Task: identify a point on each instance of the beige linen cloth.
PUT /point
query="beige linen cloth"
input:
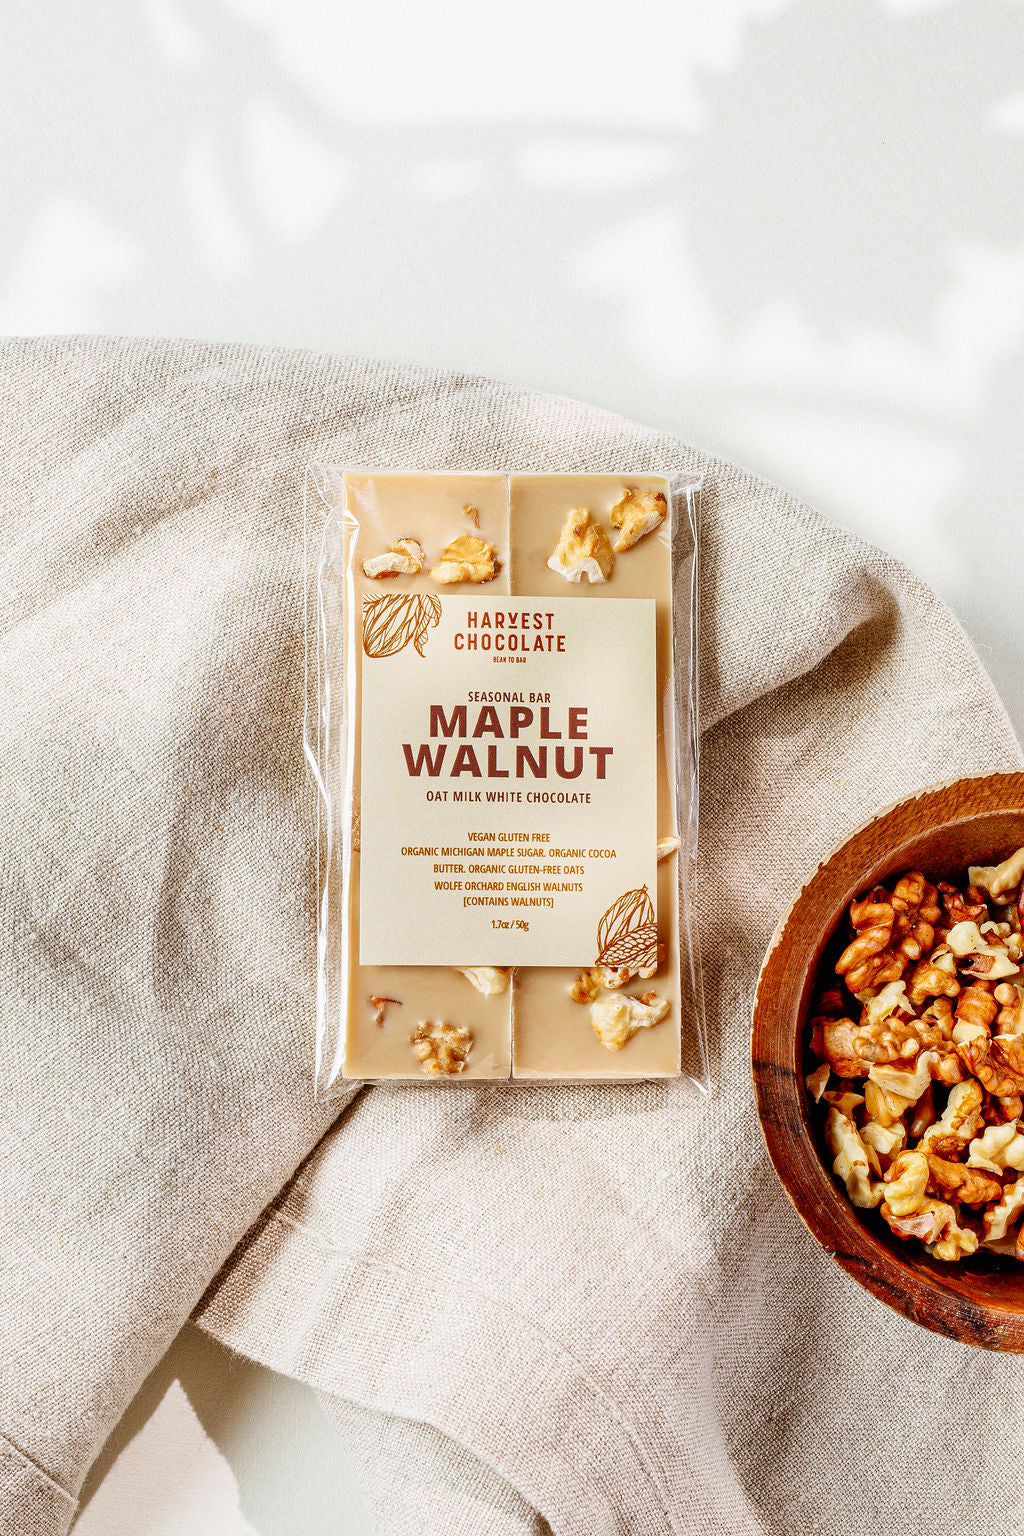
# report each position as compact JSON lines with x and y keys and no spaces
{"x":589,"y":1310}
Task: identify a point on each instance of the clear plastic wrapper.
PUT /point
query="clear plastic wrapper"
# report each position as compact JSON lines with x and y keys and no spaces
{"x":502,"y":723}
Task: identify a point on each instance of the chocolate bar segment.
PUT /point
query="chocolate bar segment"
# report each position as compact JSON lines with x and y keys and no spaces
{"x":438,"y":1024}
{"x":554,"y":1035}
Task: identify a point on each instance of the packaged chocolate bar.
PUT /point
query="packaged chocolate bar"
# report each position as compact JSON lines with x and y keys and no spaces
{"x":502,"y":725}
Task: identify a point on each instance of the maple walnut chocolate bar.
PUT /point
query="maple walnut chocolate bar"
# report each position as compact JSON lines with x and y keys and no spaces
{"x":504,"y":887}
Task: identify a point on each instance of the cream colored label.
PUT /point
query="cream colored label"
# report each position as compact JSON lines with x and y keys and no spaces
{"x":509,"y":779}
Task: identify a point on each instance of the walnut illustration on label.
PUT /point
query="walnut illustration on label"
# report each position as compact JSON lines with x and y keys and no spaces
{"x":627,"y":935}
{"x":392,"y":621}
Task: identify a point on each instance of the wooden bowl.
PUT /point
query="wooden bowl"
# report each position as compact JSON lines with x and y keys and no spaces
{"x":940,"y":831}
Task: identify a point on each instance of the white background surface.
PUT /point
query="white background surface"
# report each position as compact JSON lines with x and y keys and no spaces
{"x":792,"y":233}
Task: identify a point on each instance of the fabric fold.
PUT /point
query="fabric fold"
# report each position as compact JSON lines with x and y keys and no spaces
{"x":430,"y":1478}
{"x":445,"y":1348}
{"x":32,"y":1503}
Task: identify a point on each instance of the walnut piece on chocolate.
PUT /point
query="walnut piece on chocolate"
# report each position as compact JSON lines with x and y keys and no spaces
{"x":934,"y":1034}
{"x":599,"y":978}
{"x":405,"y":557}
{"x":616,"y":1019}
{"x":442,"y":1049}
{"x":583,"y":549}
{"x":636,"y":514}
{"x":488,"y":979}
{"x":466,"y":558}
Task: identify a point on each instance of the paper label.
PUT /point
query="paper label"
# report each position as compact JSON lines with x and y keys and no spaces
{"x":508,"y":768}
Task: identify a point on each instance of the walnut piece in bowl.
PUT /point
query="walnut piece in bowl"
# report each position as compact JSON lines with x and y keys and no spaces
{"x":888,"y":1051}
{"x":923,"y":1010}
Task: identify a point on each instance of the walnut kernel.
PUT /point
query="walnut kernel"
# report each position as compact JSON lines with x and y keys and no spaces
{"x":442,"y":1049}
{"x":405,"y":557}
{"x":583,"y":549}
{"x":466,"y":558}
{"x":636,"y":514}
{"x":615,"y":1020}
